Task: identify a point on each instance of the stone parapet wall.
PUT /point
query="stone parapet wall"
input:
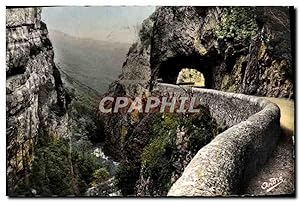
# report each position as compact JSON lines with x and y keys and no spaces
{"x":228,"y":161}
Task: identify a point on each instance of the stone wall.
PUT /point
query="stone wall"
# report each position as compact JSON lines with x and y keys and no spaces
{"x":222,"y":166}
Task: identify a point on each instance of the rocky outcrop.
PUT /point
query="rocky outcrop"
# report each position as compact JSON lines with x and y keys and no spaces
{"x":136,"y":72}
{"x":171,"y":149}
{"x":238,"y":49}
{"x":269,"y":70}
{"x":35,"y":98}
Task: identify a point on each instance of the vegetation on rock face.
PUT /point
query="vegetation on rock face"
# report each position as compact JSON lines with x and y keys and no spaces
{"x":65,"y":165}
{"x":173,"y":140}
{"x":231,"y":81}
{"x":60,"y":168}
{"x":126,"y":177}
{"x":99,"y":176}
{"x":145,"y":34}
{"x":85,"y":121}
{"x":174,"y":135}
{"x":155,"y":155}
{"x":83,"y":110}
{"x":237,"y":23}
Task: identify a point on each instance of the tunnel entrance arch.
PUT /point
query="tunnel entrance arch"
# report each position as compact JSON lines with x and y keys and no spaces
{"x":169,"y":70}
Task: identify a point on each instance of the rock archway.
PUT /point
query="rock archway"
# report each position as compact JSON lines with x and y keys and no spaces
{"x":169,"y":70}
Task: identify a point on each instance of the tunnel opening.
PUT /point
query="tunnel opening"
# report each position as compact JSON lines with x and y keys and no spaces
{"x":190,"y":77}
{"x":197,"y":70}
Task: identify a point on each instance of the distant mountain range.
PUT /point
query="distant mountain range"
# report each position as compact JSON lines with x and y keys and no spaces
{"x":94,"y":63}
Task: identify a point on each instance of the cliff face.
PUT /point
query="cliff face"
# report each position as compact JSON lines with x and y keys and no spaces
{"x":35,"y":98}
{"x":240,"y":49}
{"x":237,"y":49}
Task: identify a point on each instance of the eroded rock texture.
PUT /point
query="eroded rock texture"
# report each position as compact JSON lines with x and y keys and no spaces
{"x":238,"y":49}
{"x":35,"y":97}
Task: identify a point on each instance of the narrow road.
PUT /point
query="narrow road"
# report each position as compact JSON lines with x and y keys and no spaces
{"x":277,"y":177}
{"x":287,"y":114}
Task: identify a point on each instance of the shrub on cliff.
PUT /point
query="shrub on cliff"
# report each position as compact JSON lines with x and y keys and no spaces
{"x":237,"y":23}
{"x":126,"y":177}
{"x":173,"y":140}
{"x":99,"y":176}
{"x":60,"y":169}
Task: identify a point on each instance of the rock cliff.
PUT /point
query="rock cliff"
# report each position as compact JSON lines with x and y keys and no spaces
{"x":242,"y":50}
{"x":238,"y":49}
{"x":36,"y":101}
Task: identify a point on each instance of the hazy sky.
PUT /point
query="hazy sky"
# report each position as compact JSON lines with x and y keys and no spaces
{"x":103,"y":23}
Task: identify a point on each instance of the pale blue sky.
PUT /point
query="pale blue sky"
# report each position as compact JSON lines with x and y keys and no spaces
{"x":114,"y":23}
